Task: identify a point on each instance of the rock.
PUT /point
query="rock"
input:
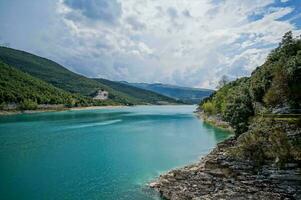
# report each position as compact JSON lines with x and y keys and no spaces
{"x":153,"y":184}
{"x":218,"y":176}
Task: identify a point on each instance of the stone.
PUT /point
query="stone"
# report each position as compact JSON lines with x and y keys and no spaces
{"x":218,"y":176}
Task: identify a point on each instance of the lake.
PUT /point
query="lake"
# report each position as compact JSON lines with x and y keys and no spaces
{"x":108,"y":154}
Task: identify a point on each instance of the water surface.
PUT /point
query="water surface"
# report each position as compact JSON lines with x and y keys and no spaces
{"x":98,"y":154}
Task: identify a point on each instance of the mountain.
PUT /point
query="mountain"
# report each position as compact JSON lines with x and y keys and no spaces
{"x":136,"y":92}
{"x":60,"y":77}
{"x":146,"y":95}
{"x":185,"y":94}
{"x":27,"y":92}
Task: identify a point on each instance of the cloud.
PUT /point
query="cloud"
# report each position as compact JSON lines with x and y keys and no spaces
{"x":135,"y":23}
{"x":172,"y":12}
{"x":191,"y":43}
{"x":105,"y":10}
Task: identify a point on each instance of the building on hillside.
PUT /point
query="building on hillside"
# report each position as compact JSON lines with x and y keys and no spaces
{"x":101,"y":95}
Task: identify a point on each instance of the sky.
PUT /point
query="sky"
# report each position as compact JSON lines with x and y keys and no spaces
{"x":183,"y":42}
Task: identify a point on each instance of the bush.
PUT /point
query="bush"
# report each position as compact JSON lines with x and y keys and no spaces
{"x":239,"y":109}
{"x":3,"y":106}
{"x":251,"y":147}
{"x":28,"y":104}
{"x":280,"y":149}
{"x":70,"y":103}
{"x":278,"y":92}
{"x":209,"y":108}
{"x":266,"y":142}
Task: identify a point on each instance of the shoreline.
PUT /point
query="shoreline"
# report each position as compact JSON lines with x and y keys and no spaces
{"x":17,"y":112}
{"x":215,"y":122}
{"x":96,"y":107}
{"x":218,"y":176}
{"x":60,"y":109}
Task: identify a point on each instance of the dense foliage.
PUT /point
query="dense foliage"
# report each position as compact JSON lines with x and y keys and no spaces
{"x":263,"y":108}
{"x":28,"y":92}
{"x":60,"y":77}
{"x":274,"y":85}
{"x":267,"y":141}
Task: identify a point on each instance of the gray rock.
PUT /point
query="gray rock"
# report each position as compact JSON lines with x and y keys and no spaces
{"x":217,"y":176}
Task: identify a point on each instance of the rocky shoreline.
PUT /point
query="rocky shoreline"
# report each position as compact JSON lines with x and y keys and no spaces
{"x":219,"y":176}
{"x":215,"y":121}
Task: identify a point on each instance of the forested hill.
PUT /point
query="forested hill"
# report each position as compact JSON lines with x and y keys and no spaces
{"x":264,"y":109}
{"x":28,"y":92}
{"x":145,"y":95}
{"x":185,"y":94}
{"x":60,"y":77}
{"x":48,"y":71}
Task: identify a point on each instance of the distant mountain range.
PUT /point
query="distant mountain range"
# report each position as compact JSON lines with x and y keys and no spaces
{"x":136,"y":92}
{"x":185,"y":94}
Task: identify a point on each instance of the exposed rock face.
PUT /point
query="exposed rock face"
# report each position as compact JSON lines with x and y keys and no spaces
{"x":101,"y":95}
{"x":218,"y":176}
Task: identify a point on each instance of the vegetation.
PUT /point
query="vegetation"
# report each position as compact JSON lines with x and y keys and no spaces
{"x":209,"y":108}
{"x":137,"y":94}
{"x":264,"y":109}
{"x":60,"y":77}
{"x":223,"y":81}
{"x":274,"y":85}
{"x":27,"y":92}
{"x":267,"y":141}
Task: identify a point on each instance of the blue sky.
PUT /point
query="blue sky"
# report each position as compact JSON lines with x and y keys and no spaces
{"x":184,"y":42}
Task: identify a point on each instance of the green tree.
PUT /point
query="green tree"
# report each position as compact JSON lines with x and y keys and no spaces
{"x":28,"y":104}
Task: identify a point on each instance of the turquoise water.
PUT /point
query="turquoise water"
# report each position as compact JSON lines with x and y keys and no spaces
{"x":98,"y":154}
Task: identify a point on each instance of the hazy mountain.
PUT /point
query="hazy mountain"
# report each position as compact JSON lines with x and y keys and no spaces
{"x":185,"y":94}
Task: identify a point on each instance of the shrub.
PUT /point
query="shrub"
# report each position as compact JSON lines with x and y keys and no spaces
{"x":251,"y":147}
{"x":278,"y":92}
{"x":28,"y":104}
{"x":3,"y":106}
{"x":209,"y":108}
{"x":239,"y":109}
{"x":266,"y":143}
{"x":280,"y":149}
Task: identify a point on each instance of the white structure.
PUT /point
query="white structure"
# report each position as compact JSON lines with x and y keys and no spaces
{"x":101,"y":95}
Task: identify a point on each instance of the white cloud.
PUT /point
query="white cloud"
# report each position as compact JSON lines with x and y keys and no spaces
{"x":183,"y":42}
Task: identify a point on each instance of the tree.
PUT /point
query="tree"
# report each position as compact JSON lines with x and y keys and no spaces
{"x":223,"y":81}
{"x":287,"y":39}
{"x":239,"y":109}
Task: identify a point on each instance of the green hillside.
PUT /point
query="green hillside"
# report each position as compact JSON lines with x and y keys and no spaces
{"x":273,"y":87}
{"x":264,"y":109}
{"x":17,"y":87}
{"x":138,"y":93}
{"x":48,"y":71}
{"x":65,"y":79}
{"x":185,"y":94}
